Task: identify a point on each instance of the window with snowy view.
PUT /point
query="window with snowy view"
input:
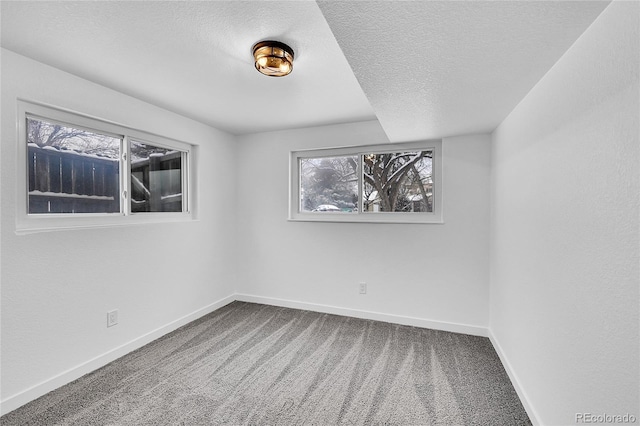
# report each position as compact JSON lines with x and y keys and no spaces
{"x":72,"y":170}
{"x":376,"y":183}
{"x":156,"y":178}
{"x":329,"y":184}
{"x":398,"y":182}
{"x":83,"y":172}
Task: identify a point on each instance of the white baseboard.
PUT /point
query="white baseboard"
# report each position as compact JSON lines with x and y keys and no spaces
{"x":531,"y":412}
{"x":377,"y":316}
{"x":11,"y":403}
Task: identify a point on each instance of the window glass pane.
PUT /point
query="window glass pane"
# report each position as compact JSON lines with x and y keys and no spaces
{"x":329,"y":184}
{"x":71,"y":170}
{"x":156,"y":178}
{"x":398,"y":182}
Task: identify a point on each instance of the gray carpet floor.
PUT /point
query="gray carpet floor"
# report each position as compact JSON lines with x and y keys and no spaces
{"x":250,"y":364}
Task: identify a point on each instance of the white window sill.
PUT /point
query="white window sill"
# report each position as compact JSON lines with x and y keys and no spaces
{"x":32,"y":224}
{"x":406,"y":218}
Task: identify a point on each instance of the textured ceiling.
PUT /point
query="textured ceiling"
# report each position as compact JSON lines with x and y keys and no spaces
{"x":194,"y":57}
{"x":428,"y":68}
{"x":438,"y":68}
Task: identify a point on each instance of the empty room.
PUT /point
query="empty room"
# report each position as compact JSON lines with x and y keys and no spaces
{"x":320,"y":212}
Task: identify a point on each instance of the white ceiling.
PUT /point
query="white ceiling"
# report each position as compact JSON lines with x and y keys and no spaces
{"x":194,"y":57}
{"x":429,"y":69}
{"x":440,"y":68}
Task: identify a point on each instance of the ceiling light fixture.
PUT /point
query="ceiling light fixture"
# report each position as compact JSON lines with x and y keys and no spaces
{"x":273,"y":58}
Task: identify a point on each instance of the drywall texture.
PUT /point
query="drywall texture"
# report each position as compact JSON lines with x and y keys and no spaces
{"x":58,"y":286}
{"x":565,"y":241}
{"x":434,"y":272}
{"x":195,"y":57}
{"x":433,"y":68}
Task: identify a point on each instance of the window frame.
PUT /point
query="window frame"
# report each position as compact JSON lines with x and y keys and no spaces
{"x":41,"y":222}
{"x":434,"y":217}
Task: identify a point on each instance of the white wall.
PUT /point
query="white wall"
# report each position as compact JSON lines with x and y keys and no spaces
{"x":58,"y":286}
{"x":565,"y":241}
{"x":428,"y":274}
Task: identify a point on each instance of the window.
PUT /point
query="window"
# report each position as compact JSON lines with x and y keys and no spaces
{"x":84,"y":172}
{"x":156,"y":178}
{"x":398,"y":181}
{"x":383,"y":183}
{"x":329,"y":184}
{"x":72,"y":170}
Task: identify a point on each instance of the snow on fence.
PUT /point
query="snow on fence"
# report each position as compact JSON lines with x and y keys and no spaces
{"x":66,"y":181}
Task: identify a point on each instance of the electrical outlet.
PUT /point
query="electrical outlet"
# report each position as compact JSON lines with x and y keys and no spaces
{"x":112,"y":318}
{"x":363,"y":288}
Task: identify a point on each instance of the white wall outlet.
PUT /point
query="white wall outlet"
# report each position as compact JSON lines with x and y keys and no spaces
{"x":112,"y":318}
{"x":363,"y":288}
